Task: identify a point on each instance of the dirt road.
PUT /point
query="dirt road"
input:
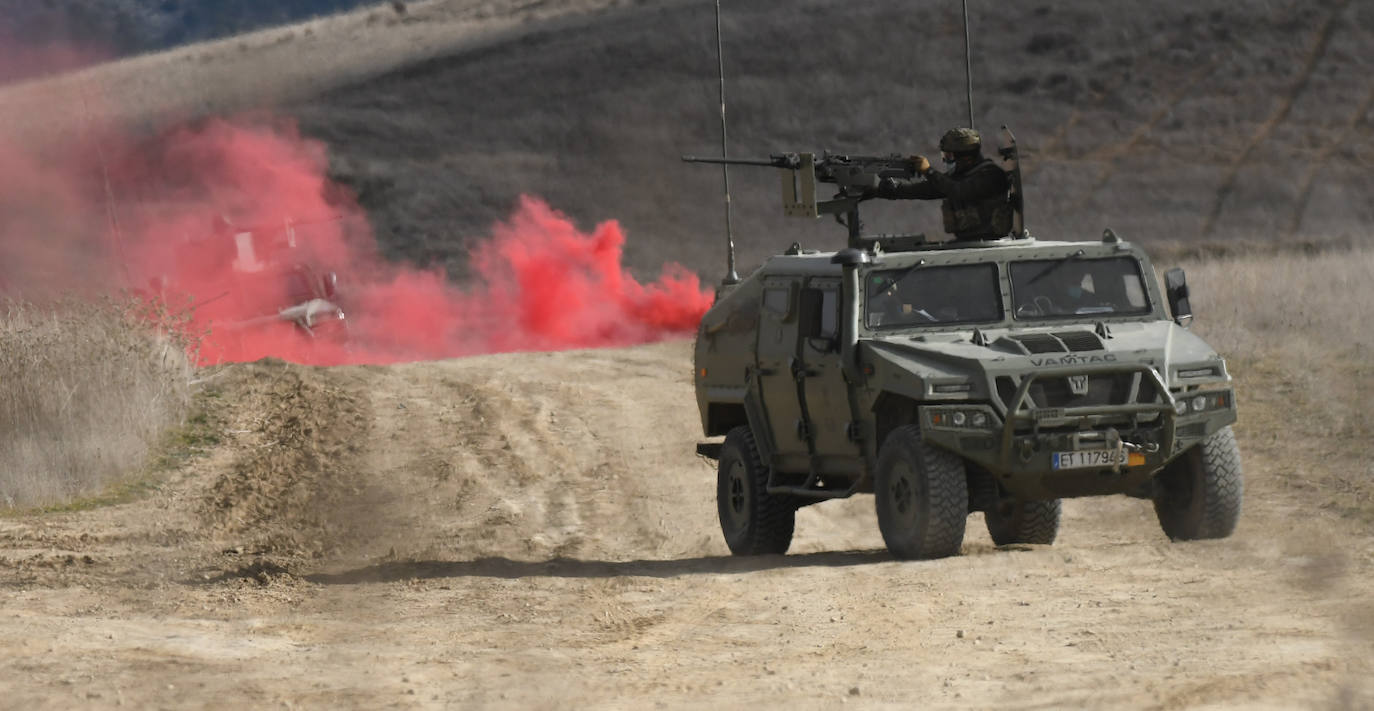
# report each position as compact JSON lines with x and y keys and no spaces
{"x":533,"y":531}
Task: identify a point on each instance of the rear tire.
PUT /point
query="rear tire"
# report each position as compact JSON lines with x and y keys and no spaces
{"x":921,"y":495}
{"x":1023,"y":522}
{"x":754,"y":522}
{"x":1198,"y":495}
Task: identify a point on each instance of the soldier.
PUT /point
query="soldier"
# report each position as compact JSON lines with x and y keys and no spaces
{"x":975,"y":203}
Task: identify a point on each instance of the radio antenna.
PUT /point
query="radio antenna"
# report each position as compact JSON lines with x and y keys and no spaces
{"x":731,"y":276}
{"x":968,"y":65}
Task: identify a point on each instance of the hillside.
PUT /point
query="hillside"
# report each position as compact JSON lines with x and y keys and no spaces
{"x":1214,"y":121}
{"x":1219,"y":121}
{"x":36,"y":34}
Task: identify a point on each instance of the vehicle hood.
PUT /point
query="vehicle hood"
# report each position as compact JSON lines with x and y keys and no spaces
{"x":980,"y":355}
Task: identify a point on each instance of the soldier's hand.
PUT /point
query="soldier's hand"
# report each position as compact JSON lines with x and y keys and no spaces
{"x":922,"y":164}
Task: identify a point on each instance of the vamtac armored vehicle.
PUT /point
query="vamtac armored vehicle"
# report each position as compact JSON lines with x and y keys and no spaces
{"x":998,"y":375}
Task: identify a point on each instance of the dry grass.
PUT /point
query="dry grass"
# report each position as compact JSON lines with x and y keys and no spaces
{"x":1313,"y":306}
{"x":85,"y":391}
{"x":1297,"y":332}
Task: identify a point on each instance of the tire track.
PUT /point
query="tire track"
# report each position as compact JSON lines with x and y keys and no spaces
{"x":1108,"y":155}
{"x":1309,"y":178}
{"x":1075,"y":117}
{"x":1111,"y":152}
{"x":1285,"y":107}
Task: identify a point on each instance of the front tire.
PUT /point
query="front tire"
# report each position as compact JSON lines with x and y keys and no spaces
{"x":754,"y":522}
{"x":1198,"y":495}
{"x":1013,"y":521}
{"x":921,"y":494}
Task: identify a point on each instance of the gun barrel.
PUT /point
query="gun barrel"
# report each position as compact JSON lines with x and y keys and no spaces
{"x":767,"y":163}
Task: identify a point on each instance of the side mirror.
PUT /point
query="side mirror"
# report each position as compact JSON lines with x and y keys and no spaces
{"x":1176,"y":288}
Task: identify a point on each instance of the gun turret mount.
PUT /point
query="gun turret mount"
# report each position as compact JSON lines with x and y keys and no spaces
{"x":856,"y":178}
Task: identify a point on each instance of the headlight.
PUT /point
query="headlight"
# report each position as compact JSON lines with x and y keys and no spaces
{"x":974,"y":419}
{"x":1181,"y":406}
{"x":1199,"y":403}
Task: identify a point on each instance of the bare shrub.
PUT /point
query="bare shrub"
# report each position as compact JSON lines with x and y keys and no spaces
{"x":85,"y":391}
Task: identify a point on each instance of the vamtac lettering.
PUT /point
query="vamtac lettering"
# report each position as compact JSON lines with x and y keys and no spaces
{"x":1073,"y":360}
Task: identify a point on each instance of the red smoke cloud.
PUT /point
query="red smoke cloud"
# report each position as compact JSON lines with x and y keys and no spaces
{"x":237,"y":222}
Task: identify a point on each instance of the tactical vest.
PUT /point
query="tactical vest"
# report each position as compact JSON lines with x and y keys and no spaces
{"x":986,"y":217}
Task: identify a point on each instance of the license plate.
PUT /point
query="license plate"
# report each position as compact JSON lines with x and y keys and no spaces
{"x":1097,"y":459}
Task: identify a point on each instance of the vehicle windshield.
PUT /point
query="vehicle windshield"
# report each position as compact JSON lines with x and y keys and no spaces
{"x":1074,"y":287}
{"x":927,"y":295}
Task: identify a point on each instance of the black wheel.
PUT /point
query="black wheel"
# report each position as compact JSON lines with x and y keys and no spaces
{"x":1198,"y":495}
{"x":921,"y":494}
{"x":1012,"y":521}
{"x":754,"y":522}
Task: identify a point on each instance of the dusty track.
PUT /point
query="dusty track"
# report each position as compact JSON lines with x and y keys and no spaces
{"x":533,"y":531}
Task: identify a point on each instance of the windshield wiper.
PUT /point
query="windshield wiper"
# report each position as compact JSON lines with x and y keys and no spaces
{"x":884,"y":282}
{"x":1056,"y":265}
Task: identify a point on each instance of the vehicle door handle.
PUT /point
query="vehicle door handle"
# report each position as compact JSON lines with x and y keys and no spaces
{"x":801,"y":372}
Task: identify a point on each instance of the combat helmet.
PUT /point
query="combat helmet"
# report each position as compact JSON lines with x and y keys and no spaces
{"x":960,"y":140}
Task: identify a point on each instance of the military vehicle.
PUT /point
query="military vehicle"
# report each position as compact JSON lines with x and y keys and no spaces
{"x":999,"y":375}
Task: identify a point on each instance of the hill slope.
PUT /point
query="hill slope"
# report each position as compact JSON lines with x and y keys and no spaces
{"x":1206,"y":122}
{"x":1210,"y":121}
{"x":117,"y":27}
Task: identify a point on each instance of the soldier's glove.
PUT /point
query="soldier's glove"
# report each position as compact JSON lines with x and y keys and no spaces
{"x":922,"y":164}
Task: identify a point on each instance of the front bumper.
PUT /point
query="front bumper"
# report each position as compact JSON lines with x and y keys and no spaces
{"x":1019,"y":449}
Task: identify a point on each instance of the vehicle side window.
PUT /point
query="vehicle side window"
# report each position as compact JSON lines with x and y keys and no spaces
{"x":777,"y":300}
{"x":830,"y":313}
{"x":820,"y":312}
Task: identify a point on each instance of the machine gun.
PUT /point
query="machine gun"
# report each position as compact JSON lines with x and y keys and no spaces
{"x":856,"y":177}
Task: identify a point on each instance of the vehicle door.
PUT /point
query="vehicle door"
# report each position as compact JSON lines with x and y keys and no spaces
{"x":777,"y":386}
{"x":825,"y":392}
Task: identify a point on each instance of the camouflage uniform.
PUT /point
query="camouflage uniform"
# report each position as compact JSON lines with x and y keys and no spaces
{"x":975,"y":193}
